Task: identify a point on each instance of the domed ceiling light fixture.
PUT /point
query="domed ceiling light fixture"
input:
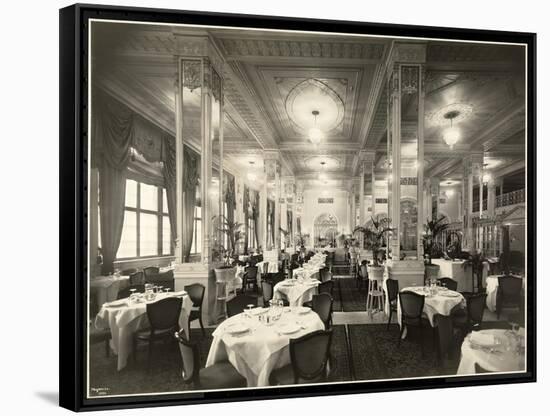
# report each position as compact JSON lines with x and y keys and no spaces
{"x":315,"y":134}
{"x":452,"y":134}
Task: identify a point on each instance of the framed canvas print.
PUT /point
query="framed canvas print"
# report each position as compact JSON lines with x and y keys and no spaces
{"x":261,"y":207}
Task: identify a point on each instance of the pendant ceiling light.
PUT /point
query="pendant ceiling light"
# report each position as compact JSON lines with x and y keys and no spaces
{"x":322,"y":174}
{"x":315,"y":134}
{"x":452,"y":134}
{"x":251,"y":175}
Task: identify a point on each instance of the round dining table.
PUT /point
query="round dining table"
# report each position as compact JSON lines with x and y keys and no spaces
{"x":254,"y":346}
{"x":124,"y":317}
{"x":296,"y":291}
{"x":441,"y":301}
{"x":494,"y":350}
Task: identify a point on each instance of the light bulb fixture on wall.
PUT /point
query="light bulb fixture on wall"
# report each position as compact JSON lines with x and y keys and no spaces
{"x":487,"y":178}
{"x":315,"y":134}
{"x":452,"y":134}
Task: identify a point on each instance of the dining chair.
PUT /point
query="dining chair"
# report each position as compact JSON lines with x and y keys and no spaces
{"x":196,"y":294}
{"x":412,"y":307}
{"x":472,"y":318}
{"x":508,"y":293}
{"x":239,"y":303}
{"x":309,"y":356}
{"x":163,"y":318}
{"x":151,"y":271}
{"x":97,"y":336}
{"x":221,"y":375}
{"x":322,"y":305}
{"x":326,"y":287}
{"x":325,"y":274}
{"x":392,"y":287}
{"x":267,"y":292}
{"x":446,"y":339}
{"x":250,"y":278}
{"x":449,"y":283}
{"x":127,"y":291}
{"x":480,"y":369}
{"x":137,"y":278}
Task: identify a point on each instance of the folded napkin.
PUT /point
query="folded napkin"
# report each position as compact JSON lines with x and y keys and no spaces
{"x":481,"y":339}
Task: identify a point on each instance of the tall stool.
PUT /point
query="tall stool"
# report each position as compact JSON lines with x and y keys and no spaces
{"x":375,"y":295}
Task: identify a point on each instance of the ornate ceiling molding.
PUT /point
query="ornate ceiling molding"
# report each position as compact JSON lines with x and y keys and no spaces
{"x":278,"y":48}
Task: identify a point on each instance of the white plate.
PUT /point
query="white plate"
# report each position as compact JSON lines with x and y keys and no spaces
{"x":236,"y":328}
{"x":289,"y":328}
{"x":302,"y":310}
{"x":450,"y":294}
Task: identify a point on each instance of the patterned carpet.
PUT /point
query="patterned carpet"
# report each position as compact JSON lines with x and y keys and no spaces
{"x":348,"y":297}
{"x":374,"y":355}
{"x":164,"y":375}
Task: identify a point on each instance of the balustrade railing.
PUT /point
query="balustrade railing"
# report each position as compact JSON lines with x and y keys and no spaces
{"x":511,"y":198}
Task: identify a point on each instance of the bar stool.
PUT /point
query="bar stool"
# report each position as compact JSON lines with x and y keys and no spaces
{"x":375,"y":295}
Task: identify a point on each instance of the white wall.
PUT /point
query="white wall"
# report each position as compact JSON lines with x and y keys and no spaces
{"x":312,"y":209}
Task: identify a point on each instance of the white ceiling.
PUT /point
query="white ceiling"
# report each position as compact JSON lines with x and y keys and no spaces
{"x":273,"y":81}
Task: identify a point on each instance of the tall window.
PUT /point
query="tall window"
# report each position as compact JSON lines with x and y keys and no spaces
{"x":196,"y":245}
{"x":146,"y":229}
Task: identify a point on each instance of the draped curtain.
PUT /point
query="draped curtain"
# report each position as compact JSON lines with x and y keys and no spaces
{"x":112,"y":135}
{"x":127,"y":145}
{"x":191,"y":172}
{"x":289,"y":224}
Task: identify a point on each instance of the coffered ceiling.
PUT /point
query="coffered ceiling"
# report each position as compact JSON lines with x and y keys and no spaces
{"x":274,"y":80}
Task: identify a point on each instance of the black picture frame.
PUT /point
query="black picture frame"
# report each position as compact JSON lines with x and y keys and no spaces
{"x":73,"y":200}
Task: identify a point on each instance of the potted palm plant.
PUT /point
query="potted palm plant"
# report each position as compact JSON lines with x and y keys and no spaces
{"x":432,"y":230}
{"x":374,"y":237}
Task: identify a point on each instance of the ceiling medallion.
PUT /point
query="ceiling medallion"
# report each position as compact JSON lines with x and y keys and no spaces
{"x":457,"y":111}
{"x":313,"y":95}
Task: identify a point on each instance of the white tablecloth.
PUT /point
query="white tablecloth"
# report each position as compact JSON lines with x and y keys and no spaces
{"x":126,"y":319}
{"x":272,"y":266}
{"x":296,"y":291}
{"x":505,"y":356}
{"x":262,"y":349}
{"x":491,"y":284}
{"x":457,"y":271}
{"x":106,"y":288}
{"x":435,"y":304}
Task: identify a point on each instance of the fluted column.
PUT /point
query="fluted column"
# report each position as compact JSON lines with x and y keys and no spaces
{"x":491,"y":198}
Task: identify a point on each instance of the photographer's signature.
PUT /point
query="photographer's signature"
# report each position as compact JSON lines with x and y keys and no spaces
{"x":100,"y":391}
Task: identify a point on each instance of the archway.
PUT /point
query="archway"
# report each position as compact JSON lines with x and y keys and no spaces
{"x":325,"y":230}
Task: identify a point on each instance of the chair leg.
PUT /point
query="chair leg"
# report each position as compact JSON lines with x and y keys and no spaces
{"x":401,"y":334}
{"x":202,"y":326}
